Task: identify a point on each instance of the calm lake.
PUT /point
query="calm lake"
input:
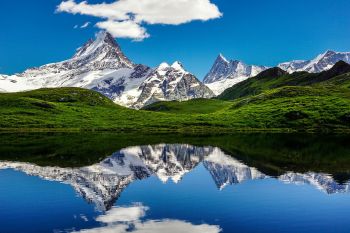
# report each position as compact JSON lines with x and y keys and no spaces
{"x":167,"y":183}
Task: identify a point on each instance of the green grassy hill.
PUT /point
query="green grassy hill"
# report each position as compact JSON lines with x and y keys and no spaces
{"x":196,"y":106}
{"x":272,"y":101}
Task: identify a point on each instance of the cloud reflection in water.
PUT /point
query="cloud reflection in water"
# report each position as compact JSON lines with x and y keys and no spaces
{"x":128,"y":219}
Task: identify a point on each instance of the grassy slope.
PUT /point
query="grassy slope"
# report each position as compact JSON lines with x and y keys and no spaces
{"x":269,"y":102}
{"x":298,"y":107}
{"x":323,"y":106}
{"x":275,"y":78}
{"x":79,"y":109}
{"x":196,"y":106}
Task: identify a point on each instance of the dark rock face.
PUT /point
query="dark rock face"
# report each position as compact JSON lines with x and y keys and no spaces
{"x":345,"y":118}
{"x":339,"y":68}
{"x":272,"y":73}
{"x":296,"y":115}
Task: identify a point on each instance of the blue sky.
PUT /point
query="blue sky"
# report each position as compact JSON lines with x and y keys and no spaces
{"x":257,"y":32}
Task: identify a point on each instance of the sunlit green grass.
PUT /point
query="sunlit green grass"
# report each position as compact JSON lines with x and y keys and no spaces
{"x":195,"y":106}
{"x":282,"y":109}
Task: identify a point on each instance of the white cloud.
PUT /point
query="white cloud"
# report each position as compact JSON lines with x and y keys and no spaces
{"x":85,"y":25}
{"x":103,"y":10}
{"x":124,"y":29}
{"x":136,"y":12}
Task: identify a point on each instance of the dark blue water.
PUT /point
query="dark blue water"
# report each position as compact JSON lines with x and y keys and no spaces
{"x":169,"y":188}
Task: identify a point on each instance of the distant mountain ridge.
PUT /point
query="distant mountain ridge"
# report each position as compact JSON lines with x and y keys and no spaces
{"x":274,"y":78}
{"x":321,"y":63}
{"x":225,"y":74}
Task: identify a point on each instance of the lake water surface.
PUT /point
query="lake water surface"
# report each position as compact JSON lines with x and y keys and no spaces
{"x":167,"y":183}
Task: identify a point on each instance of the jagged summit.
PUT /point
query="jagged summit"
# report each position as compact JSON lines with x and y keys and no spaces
{"x":164,"y":66}
{"x":221,"y":58}
{"x":103,"y":48}
{"x":178,"y":66}
{"x":229,"y":69}
{"x":167,"y":83}
{"x":101,"y":38}
{"x":226,"y":73}
{"x":329,"y":53}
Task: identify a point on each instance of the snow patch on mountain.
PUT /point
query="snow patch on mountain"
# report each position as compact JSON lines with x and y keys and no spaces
{"x":219,"y":87}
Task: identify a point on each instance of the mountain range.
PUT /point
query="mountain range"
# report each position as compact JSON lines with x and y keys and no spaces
{"x":226,"y":73}
{"x":101,"y":65}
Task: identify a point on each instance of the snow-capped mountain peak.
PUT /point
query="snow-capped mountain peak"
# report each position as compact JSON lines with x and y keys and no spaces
{"x":225,"y":73}
{"x":329,"y":52}
{"x":103,"y":48}
{"x":221,"y":58}
{"x":163,"y":66}
{"x":178,"y":66}
{"x":167,"y":83}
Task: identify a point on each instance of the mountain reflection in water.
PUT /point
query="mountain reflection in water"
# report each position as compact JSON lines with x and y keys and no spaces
{"x":102,"y":183}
